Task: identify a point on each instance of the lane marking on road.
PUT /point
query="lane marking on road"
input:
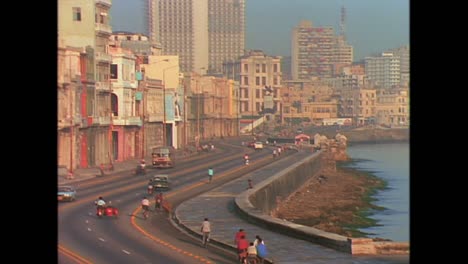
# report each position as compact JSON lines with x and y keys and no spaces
{"x":87,"y":221}
{"x":126,"y":252}
{"x":89,"y":229}
{"x":102,"y":239}
{"x":164,"y":243}
{"x":73,"y":255}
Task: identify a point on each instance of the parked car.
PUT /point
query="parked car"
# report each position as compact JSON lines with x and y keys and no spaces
{"x":66,"y":193}
{"x":258,"y":145}
{"x":160,"y":181}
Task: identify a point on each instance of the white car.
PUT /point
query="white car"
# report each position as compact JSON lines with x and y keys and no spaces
{"x":258,"y":145}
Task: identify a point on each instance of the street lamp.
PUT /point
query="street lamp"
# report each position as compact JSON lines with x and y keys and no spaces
{"x":164,"y":102}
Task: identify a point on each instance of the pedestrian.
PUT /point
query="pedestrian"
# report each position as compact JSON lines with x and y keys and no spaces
{"x":242,"y":246}
{"x":249,"y":181}
{"x":261,"y":251}
{"x":210,"y":174}
{"x":252,"y":253}
{"x":257,"y":240}
{"x":206,"y":230}
{"x":238,"y":235}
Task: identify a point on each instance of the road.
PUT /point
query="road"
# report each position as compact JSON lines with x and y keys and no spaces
{"x":84,"y":238}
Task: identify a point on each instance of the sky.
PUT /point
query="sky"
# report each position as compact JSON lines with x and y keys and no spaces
{"x":371,"y":26}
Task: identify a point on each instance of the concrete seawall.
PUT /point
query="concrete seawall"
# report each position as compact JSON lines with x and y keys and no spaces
{"x":255,"y":205}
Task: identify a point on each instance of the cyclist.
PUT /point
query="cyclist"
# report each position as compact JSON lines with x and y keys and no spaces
{"x":145,"y":207}
{"x":158,"y":199}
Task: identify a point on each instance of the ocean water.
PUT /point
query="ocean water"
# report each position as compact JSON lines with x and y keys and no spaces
{"x":390,"y":162}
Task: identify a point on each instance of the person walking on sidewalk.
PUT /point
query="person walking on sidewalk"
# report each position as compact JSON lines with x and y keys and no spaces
{"x":206,"y":230}
{"x":210,"y":174}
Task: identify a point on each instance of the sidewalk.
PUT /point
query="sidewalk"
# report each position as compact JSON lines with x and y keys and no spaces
{"x":218,"y":206}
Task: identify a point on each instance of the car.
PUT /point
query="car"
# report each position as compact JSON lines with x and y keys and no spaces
{"x":66,"y":193}
{"x":258,"y":145}
{"x":160,"y":181}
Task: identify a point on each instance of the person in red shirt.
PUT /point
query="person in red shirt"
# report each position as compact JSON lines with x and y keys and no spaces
{"x":239,"y":233}
{"x":242,"y":245}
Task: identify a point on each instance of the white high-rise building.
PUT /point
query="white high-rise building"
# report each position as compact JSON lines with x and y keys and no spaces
{"x":383,"y":71}
{"x":203,"y":33}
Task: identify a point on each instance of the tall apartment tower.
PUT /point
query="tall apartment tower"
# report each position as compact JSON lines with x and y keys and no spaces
{"x":317,"y":51}
{"x":203,"y":33}
{"x":383,"y":71}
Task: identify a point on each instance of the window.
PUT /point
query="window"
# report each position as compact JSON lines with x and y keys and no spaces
{"x":246,"y":80}
{"x":275,"y":67}
{"x":246,"y":67}
{"x":263,"y":80}
{"x":76,"y":13}
{"x":257,"y":80}
{"x":113,"y":70}
{"x":264,"y":68}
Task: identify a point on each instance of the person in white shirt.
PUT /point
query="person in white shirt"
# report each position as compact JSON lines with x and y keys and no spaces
{"x":206,"y":230}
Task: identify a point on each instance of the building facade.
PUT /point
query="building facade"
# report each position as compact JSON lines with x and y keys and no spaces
{"x":203,"y":33}
{"x":126,"y":122}
{"x":260,"y":82}
{"x":317,"y":51}
{"x":383,"y":71}
{"x":393,"y":107}
{"x":84,"y":24}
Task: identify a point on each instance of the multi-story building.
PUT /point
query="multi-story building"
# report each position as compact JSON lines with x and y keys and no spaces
{"x":393,"y":107}
{"x":383,"y":71}
{"x":126,"y":122}
{"x":68,"y":106}
{"x":307,"y":101}
{"x":203,"y":33}
{"x":404,"y":53}
{"x":84,"y":24}
{"x":212,"y":107}
{"x":316,"y":51}
{"x":260,"y":81}
{"x":166,"y":69}
{"x":359,"y":104}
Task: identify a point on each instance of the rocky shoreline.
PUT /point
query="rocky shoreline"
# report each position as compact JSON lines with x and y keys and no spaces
{"x":339,"y":199}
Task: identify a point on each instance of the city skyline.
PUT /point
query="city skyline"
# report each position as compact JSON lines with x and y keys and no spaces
{"x":371,"y":26}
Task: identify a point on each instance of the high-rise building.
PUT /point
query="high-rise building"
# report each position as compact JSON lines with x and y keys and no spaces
{"x":383,"y":71}
{"x":203,"y":33}
{"x":317,"y":51}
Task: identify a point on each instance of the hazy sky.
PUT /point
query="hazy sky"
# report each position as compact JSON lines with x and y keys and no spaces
{"x":372,"y":26}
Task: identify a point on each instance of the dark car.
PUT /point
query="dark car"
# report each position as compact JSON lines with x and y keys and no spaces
{"x":160,"y":181}
{"x":66,"y":193}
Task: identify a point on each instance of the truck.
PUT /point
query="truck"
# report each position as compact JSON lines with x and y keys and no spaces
{"x":162,"y":157}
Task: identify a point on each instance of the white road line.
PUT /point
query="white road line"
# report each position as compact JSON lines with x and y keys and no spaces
{"x":89,"y":229}
{"x":87,"y":221}
{"x":126,"y":252}
{"x":102,"y":239}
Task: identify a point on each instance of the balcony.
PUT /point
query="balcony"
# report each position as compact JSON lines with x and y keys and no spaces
{"x":103,"y":57}
{"x":102,"y":120}
{"x":103,"y":87}
{"x":103,"y":28}
{"x":127,"y":121}
{"x":107,"y":3}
